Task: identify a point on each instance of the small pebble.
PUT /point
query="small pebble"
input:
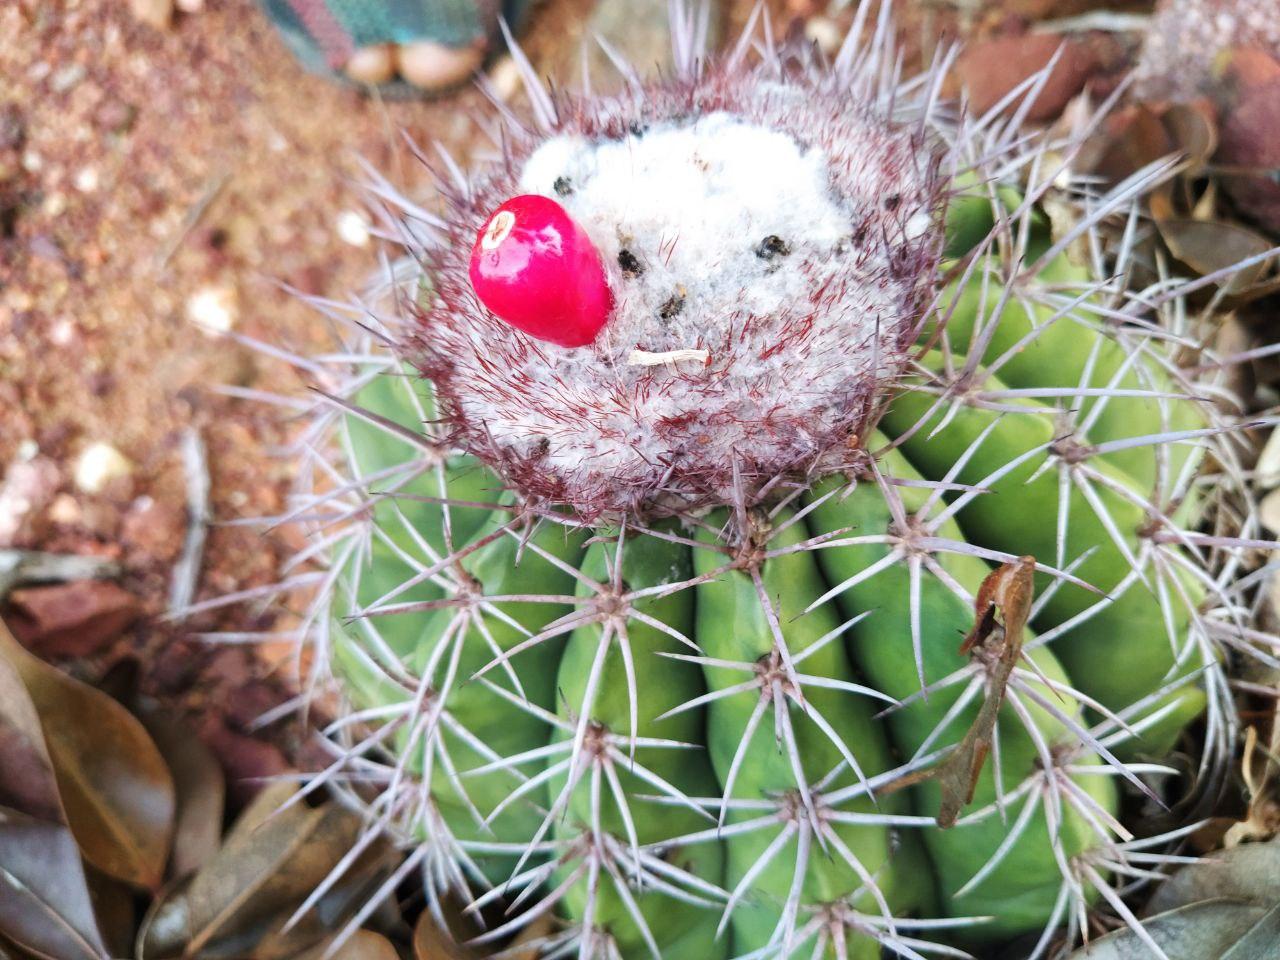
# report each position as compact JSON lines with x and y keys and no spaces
{"x":374,"y":65}
{"x":86,"y":180}
{"x":213,"y":309}
{"x":157,"y":13}
{"x":824,"y":32}
{"x":353,"y":228}
{"x":63,"y":333}
{"x":66,"y":77}
{"x":65,"y":510}
{"x":99,"y":464}
{"x":504,"y":77}
{"x":1267,"y":472}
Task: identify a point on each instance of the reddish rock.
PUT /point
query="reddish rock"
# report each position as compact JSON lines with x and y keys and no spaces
{"x":990,"y":69}
{"x":27,"y":488}
{"x":154,"y":529}
{"x":71,"y":619}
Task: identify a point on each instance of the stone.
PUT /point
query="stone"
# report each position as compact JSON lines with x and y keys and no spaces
{"x":71,"y":619}
{"x":990,"y":69}
{"x":98,"y":465}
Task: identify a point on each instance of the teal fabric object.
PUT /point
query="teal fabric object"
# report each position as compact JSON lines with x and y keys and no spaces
{"x":323,"y":33}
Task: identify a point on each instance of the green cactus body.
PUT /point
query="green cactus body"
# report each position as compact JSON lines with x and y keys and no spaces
{"x":1021,"y":890}
{"x":1102,"y":530}
{"x":661,"y":635}
{"x":832,"y":731}
{"x":636,"y":675}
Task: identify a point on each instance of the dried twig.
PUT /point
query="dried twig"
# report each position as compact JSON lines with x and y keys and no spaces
{"x":193,"y":217}
{"x":186,"y":572}
{"x":20,"y":567}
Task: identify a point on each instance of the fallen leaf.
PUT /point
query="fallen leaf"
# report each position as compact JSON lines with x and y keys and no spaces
{"x":362,"y":945}
{"x":1195,"y":932}
{"x":113,"y":906}
{"x":1191,"y":128}
{"x":1249,"y":872}
{"x":1260,"y":771}
{"x":200,"y":792}
{"x":1211,"y":245}
{"x":431,"y":942}
{"x":29,"y":784}
{"x":275,"y":857}
{"x":44,"y":897}
{"x":1262,"y":942}
{"x":115,"y":788}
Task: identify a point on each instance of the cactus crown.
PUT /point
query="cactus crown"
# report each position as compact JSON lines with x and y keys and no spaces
{"x":768,"y":241}
{"x":667,"y":730}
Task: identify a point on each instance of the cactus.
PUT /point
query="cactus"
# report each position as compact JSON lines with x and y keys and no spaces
{"x":660,"y":636}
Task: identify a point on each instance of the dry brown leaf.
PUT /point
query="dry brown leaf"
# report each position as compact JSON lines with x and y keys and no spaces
{"x":29,"y":784}
{"x":1001,"y":608}
{"x":116,"y":790}
{"x":113,"y":905}
{"x":200,"y":792}
{"x":44,"y":896}
{"x":1207,"y":246}
{"x":362,"y":945}
{"x":1260,"y":769}
{"x":432,"y":943}
{"x":274,"y":858}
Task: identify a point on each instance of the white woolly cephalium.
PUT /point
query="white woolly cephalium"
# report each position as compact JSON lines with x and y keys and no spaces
{"x":781,"y":230}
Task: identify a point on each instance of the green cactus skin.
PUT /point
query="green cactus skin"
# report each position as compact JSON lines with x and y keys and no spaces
{"x":705,"y":732}
{"x":733,"y":627}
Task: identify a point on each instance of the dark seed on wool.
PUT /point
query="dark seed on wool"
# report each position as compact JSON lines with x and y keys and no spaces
{"x":631,"y":266}
{"x":772,"y":246}
{"x":672,"y":307}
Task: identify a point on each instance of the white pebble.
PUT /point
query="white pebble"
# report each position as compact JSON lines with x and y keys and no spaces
{"x":213,"y":309}
{"x":99,"y":464}
{"x":86,"y":180}
{"x":353,"y":228}
{"x":825,"y":32}
{"x":1269,"y":511}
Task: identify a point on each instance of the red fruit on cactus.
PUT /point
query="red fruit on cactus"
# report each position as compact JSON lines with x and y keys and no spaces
{"x":535,"y":268}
